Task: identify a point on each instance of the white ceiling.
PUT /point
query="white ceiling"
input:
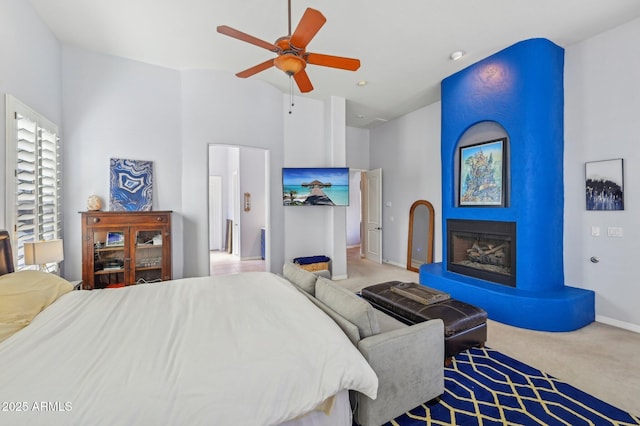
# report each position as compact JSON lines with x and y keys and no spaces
{"x":403,"y":46}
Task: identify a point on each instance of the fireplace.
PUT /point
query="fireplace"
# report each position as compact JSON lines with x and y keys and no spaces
{"x":501,"y":97}
{"x":482,"y":249}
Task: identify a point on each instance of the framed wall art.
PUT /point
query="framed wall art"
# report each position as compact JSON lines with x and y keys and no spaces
{"x":604,"y":181}
{"x":131,"y":185}
{"x":482,"y":170}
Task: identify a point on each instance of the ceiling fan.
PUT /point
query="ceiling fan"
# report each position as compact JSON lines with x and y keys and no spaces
{"x":291,"y":50}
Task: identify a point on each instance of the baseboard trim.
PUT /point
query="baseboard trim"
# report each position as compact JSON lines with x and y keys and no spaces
{"x":339,"y":277}
{"x":387,"y":261}
{"x":618,"y":323}
{"x":251,"y":258}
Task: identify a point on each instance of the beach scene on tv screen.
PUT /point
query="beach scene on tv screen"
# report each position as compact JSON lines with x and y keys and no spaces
{"x":315,"y":186}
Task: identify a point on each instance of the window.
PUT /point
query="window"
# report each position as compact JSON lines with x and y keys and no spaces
{"x":34,"y":184}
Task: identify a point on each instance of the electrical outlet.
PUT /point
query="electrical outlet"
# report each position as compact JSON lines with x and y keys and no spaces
{"x":614,"y":231}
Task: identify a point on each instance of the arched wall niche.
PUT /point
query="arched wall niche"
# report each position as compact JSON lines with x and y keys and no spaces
{"x":483,"y":131}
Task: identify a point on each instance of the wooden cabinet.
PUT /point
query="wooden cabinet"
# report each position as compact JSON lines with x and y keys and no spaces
{"x":125,"y":248}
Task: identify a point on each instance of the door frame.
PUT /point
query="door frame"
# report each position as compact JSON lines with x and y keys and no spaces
{"x":231,"y":183}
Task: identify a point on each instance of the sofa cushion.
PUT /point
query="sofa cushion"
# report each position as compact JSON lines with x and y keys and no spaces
{"x":304,"y":279}
{"x":349,"y":305}
{"x":347,"y":327}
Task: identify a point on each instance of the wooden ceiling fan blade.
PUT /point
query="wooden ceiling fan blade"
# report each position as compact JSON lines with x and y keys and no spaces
{"x":232,"y":32}
{"x":303,"y":82}
{"x":348,"y":64}
{"x":307,"y":28}
{"x":255,"y":69}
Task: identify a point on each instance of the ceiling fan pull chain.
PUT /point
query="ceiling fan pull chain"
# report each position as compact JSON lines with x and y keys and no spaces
{"x":290,"y":94}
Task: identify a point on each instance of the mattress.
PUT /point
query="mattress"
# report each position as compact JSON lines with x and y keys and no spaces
{"x":242,"y":349}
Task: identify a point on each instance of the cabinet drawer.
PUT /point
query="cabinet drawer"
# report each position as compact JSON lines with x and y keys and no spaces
{"x":109,"y":219}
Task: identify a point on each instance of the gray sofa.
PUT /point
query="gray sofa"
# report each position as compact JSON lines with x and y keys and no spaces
{"x":407,"y":359}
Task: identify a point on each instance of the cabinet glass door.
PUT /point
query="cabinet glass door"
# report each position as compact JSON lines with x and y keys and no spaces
{"x":148,"y":256}
{"x":109,"y":258}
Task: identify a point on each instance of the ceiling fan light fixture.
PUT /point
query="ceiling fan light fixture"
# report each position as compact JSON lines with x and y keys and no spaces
{"x":290,"y":63}
{"x":292,"y":56}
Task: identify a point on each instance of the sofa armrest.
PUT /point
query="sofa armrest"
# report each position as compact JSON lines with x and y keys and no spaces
{"x":409,"y":363}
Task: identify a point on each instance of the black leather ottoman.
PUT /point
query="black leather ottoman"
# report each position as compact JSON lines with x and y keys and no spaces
{"x":465,"y":325}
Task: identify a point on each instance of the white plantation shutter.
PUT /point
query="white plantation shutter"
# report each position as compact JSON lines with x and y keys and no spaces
{"x":34,"y":202}
{"x":49,"y":200}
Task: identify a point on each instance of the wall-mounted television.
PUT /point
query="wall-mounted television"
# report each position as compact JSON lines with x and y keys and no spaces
{"x":315,"y":186}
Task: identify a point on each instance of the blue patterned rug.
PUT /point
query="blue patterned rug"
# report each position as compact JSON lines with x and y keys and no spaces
{"x":485,"y":387}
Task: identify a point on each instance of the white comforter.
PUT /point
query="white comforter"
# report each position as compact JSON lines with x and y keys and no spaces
{"x":245,"y":349}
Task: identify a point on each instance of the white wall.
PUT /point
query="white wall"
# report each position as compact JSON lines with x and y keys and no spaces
{"x":118,"y":108}
{"x":218,"y":166}
{"x":315,"y":136}
{"x":358,"y":148}
{"x":304,"y":146}
{"x":38,"y":86}
{"x":408,"y":151}
{"x":115,"y":107}
{"x":357,"y":160}
{"x":217,"y":107}
{"x":602,"y":109}
{"x":354,"y":209}
{"x":252,"y":173}
{"x":232,"y":188}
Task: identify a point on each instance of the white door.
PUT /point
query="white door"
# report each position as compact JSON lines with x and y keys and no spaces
{"x":235,"y":245}
{"x":373,"y":215}
{"x":215,"y":213}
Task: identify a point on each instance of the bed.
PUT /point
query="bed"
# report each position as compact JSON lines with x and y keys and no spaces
{"x":241,"y":349}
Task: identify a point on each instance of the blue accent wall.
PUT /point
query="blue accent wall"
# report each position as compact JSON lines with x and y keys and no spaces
{"x":521,"y":89}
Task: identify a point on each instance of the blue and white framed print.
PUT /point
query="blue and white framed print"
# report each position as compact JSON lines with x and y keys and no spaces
{"x":131,"y":185}
{"x":605,"y":184}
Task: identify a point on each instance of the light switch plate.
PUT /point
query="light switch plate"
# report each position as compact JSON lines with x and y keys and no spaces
{"x":614,"y":231}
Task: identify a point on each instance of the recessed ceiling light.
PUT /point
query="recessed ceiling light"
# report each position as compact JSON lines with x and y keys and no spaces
{"x":361,"y":116}
{"x":362,"y":83}
{"x":456,"y":55}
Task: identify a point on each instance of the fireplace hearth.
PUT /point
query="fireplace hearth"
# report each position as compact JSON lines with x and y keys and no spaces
{"x":482,"y":249}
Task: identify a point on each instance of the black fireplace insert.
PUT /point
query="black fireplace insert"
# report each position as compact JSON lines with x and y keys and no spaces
{"x":482,"y":249}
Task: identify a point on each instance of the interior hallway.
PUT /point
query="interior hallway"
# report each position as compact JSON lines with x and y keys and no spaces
{"x":221,"y":263}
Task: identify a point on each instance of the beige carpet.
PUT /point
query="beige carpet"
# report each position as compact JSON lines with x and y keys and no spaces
{"x":598,"y":359}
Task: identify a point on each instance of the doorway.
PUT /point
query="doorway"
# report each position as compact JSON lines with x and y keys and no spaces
{"x":364,"y":214}
{"x":238,"y":208}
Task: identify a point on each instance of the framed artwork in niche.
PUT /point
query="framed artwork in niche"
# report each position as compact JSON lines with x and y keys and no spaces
{"x":131,"y":185}
{"x":482,"y":170}
{"x":604,"y":181}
